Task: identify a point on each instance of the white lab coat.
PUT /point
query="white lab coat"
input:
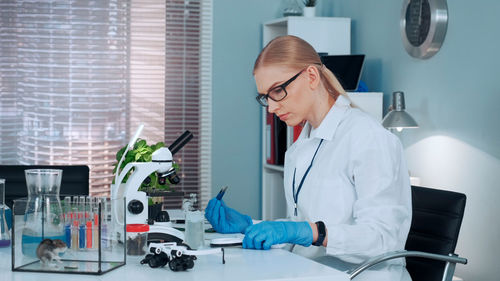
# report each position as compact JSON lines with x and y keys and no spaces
{"x":358,"y":186}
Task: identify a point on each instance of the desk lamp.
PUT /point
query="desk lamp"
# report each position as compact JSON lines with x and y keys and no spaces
{"x":397,"y":118}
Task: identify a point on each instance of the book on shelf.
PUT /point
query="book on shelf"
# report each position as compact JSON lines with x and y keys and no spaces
{"x":280,"y":133}
{"x":276,"y":139}
{"x":270,"y":146}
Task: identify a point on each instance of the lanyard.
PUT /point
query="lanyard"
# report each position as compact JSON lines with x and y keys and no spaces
{"x":296,"y":195}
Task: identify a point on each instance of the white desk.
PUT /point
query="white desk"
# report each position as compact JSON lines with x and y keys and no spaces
{"x":241,"y":264}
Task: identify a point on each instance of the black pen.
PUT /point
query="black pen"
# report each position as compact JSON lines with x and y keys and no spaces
{"x":221,"y":192}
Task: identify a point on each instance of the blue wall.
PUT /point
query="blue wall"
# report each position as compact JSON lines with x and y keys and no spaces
{"x":236,"y":116}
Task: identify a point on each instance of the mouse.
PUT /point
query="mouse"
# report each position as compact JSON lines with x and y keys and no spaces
{"x":48,"y":250}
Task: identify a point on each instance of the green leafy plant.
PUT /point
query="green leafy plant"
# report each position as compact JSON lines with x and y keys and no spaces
{"x":310,"y":3}
{"x":142,"y":152}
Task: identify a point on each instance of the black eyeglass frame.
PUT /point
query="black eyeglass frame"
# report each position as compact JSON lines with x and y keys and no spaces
{"x":262,"y":98}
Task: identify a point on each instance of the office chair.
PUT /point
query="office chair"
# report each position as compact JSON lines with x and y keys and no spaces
{"x":429,"y":250}
{"x":75,"y":180}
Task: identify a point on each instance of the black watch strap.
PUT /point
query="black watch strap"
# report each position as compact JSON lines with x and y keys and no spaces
{"x":321,"y":233}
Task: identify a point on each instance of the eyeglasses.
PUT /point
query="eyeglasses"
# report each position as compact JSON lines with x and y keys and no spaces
{"x":277,"y":93}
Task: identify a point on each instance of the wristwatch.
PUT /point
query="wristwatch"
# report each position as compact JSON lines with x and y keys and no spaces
{"x":321,"y":233}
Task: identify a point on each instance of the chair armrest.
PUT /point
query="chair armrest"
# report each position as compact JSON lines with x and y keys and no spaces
{"x":403,"y":254}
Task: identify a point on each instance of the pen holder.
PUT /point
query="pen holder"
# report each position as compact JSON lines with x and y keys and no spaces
{"x":87,"y":241}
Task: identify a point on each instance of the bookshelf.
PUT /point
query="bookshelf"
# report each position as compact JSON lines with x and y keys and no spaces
{"x":327,"y":35}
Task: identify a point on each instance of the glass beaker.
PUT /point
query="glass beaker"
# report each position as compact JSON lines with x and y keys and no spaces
{"x":195,"y":231}
{"x":43,"y":218}
{"x":4,"y":230}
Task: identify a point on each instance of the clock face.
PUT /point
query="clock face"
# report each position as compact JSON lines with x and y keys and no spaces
{"x":423,"y":26}
{"x":418,"y":21}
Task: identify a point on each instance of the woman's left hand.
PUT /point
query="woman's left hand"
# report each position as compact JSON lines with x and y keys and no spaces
{"x":267,"y":233}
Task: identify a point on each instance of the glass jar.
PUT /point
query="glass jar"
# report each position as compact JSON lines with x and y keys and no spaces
{"x":43,"y":217}
{"x":195,"y":229}
{"x":137,"y":236}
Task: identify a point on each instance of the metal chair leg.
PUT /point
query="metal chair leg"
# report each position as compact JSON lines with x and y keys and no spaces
{"x":449,"y":269}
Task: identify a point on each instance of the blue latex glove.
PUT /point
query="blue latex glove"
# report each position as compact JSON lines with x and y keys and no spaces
{"x":225,"y":219}
{"x":267,"y":233}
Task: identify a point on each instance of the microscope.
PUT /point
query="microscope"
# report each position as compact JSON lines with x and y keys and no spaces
{"x":136,"y":202}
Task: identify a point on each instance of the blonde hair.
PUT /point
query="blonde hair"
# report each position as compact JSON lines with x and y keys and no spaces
{"x":294,"y":52}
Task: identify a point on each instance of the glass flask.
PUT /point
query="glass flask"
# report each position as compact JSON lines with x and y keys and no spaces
{"x":43,"y":218}
{"x":4,"y":229}
{"x":292,"y":8}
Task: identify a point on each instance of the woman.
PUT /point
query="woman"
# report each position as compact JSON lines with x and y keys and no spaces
{"x":345,"y":178}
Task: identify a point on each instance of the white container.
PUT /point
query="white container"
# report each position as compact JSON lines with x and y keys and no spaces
{"x":309,"y":12}
{"x":137,"y":236}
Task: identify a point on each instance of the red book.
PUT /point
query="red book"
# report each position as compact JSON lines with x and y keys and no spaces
{"x":280,"y":139}
{"x":270,"y":142}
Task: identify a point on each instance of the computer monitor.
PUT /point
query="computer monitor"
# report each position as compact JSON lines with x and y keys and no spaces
{"x":347,"y":69}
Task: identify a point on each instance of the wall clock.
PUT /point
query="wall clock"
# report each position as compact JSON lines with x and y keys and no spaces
{"x":423,"y":26}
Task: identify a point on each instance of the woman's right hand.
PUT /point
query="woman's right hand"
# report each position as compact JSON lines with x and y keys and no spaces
{"x":225,"y":219}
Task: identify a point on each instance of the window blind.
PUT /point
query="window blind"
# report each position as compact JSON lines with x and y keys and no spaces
{"x":188,"y":92}
{"x":78,"y":77}
{"x":147,"y":69}
{"x":64,"y":73}
{"x":170,"y":84}
{"x":9,"y":113}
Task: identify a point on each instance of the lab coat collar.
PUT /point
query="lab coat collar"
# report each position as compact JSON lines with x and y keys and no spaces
{"x":326,"y":130}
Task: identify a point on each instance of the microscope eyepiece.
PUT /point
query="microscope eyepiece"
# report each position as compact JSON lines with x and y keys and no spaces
{"x":162,"y":180}
{"x":174,"y":178}
{"x":170,"y":175}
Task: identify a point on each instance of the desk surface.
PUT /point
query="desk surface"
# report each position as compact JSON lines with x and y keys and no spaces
{"x":241,"y":264}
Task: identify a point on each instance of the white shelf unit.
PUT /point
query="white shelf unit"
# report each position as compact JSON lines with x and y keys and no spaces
{"x":326,"y":35}
{"x":371,"y":103}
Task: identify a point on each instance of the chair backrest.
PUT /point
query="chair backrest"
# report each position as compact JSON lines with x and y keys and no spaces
{"x":75,"y":180}
{"x":437,"y":217}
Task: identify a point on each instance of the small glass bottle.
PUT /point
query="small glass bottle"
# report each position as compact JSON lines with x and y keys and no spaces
{"x":4,"y":230}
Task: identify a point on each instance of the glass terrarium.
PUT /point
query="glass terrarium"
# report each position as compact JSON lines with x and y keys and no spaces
{"x":78,"y":234}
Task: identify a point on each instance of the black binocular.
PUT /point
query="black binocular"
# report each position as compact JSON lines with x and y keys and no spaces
{"x":181,"y":263}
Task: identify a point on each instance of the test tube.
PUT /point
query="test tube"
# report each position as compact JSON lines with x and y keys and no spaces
{"x":88,"y":208}
{"x":88,"y":223}
{"x":81,"y":221}
{"x":67,"y":221}
{"x":75,"y":237}
{"x":104,"y":222}
{"x":74,"y":225}
{"x":95,"y":227}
